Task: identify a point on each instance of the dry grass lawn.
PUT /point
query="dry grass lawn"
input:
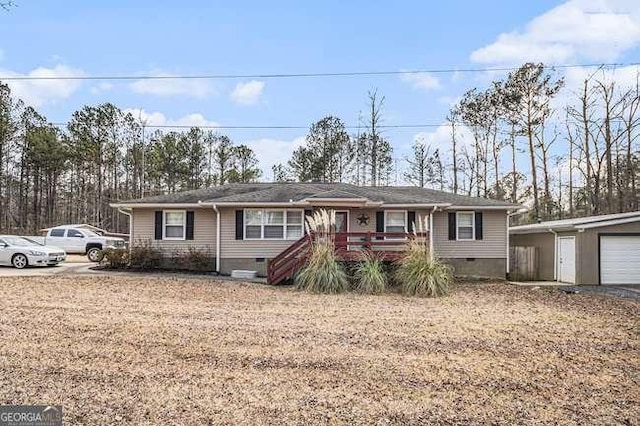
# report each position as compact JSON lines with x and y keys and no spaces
{"x":176,"y":351}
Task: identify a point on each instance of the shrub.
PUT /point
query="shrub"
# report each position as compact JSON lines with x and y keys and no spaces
{"x":115,"y":258}
{"x":194,"y":259}
{"x":145,"y":257}
{"x":323,"y":273}
{"x":369,"y":275}
{"x":420,"y":274}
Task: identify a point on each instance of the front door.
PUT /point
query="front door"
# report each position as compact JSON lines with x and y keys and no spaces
{"x":342,"y":227}
{"x":567,"y":260}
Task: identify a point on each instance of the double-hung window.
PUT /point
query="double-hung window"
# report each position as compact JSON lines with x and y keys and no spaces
{"x":465,"y":225}
{"x":271,"y":224}
{"x":175,"y":225}
{"x":294,"y":224}
{"x":395,"y":221}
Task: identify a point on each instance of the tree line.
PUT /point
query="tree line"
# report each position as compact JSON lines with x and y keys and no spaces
{"x":580,"y":147}
{"x":51,"y":176}
{"x":581,"y":153}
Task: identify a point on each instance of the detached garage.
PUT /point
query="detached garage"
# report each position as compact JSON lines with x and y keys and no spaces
{"x":590,"y":250}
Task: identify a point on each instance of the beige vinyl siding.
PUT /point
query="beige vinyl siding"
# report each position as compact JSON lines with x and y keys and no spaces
{"x":587,"y":260}
{"x":354,"y":225}
{"x":204,"y":231}
{"x":493,"y":244}
{"x":245,"y":249}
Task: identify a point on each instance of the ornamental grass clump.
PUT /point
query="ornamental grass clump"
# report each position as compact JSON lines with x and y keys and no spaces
{"x":323,"y":273}
{"x":369,"y":275}
{"x":421,"y":274}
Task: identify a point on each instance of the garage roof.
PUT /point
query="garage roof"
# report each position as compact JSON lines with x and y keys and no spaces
{"x":577,"y":224}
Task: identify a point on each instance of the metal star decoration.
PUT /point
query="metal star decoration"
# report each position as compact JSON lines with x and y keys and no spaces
{"x":363,"y":219}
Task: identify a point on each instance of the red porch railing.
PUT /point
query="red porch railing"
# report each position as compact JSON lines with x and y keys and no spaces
{"x":349,"y":246}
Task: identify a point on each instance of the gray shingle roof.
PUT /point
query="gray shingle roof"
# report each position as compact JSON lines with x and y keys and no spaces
{"x":287,"y":192}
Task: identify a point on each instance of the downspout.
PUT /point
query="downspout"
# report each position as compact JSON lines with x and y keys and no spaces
{"x":431,"y":253}
{"x":215,"y":208}
{"x":555,"y":254}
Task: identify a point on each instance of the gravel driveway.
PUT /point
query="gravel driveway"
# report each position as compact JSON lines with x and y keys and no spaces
{"x":626,"y":292}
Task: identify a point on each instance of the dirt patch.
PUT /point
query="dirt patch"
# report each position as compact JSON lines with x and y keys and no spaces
{"x":129,"y":350}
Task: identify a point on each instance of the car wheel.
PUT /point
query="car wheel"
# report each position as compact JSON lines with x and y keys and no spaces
{"x":19,"y":261}
{"x":94,"y":254}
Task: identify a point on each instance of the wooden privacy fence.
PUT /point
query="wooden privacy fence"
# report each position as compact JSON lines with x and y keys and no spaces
{"x":523,"y":263}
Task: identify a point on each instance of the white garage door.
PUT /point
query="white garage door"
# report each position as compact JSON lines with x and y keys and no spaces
{"x":620,"y":259}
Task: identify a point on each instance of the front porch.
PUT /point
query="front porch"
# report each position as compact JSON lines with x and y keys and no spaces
{"x":349,"y":246}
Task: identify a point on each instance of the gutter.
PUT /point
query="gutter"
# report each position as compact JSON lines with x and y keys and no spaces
{"x":154,"y":205}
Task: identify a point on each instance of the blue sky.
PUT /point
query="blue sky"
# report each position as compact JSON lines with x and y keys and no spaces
{"x":41,"y":37}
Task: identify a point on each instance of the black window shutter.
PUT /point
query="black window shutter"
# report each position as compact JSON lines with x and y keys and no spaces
{"x":379,"y":221}
{"x":452,"y":226}
{"x":478,"y":225}
{"x":158,"y":227}
{"x":239,"y":224}
{"x":411,"y":222}
{"x":190,"y":218}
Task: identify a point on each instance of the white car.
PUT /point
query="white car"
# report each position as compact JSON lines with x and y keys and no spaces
{"x":20,"y":252}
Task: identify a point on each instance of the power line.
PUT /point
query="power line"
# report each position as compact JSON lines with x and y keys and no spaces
{"x":300,"y":75}
{"x":231,"y":127}
{"x":284,"y":127}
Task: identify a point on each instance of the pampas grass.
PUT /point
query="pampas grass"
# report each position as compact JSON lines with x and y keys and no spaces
{"x":421,"y":274}
{"x":369,"y":275}
{"x":323,"y":273}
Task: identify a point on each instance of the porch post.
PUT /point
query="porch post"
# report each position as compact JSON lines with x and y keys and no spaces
{"x":215,"y":208}
{"x":431,"y":253}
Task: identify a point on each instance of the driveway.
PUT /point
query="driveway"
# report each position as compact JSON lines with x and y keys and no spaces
{"x":74,"y":265}
{"x":62,"y":269}
{"x":624,"y":291}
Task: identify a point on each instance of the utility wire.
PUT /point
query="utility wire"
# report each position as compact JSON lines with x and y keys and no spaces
{"x":267,"y":127}
{"x":300,"y":75}
{"x":185,"y":126}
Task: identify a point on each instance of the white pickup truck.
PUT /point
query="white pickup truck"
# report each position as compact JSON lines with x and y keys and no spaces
{"x":78,"y":241}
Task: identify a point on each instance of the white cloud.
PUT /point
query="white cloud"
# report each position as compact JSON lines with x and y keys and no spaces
{"x":159,"y":119}
{"x":273,"y":151}
{"x":247,"y":93}
{"x":102,"y":87}
{"x":423,"y":81}
{"x":441,"y":138}
{"x":194,"y":88}
{"x":39,"y":92}
{"x":595,"y":30}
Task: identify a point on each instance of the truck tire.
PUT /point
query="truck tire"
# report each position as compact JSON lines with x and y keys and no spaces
{"x":94,"y":253}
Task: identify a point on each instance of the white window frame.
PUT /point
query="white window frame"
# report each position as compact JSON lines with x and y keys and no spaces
{"x":286,"y":224}
{"x":473,"y":226}
{"x":184,"y":225}
{"x":406,"y":225}
{"x":263,"y":224}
